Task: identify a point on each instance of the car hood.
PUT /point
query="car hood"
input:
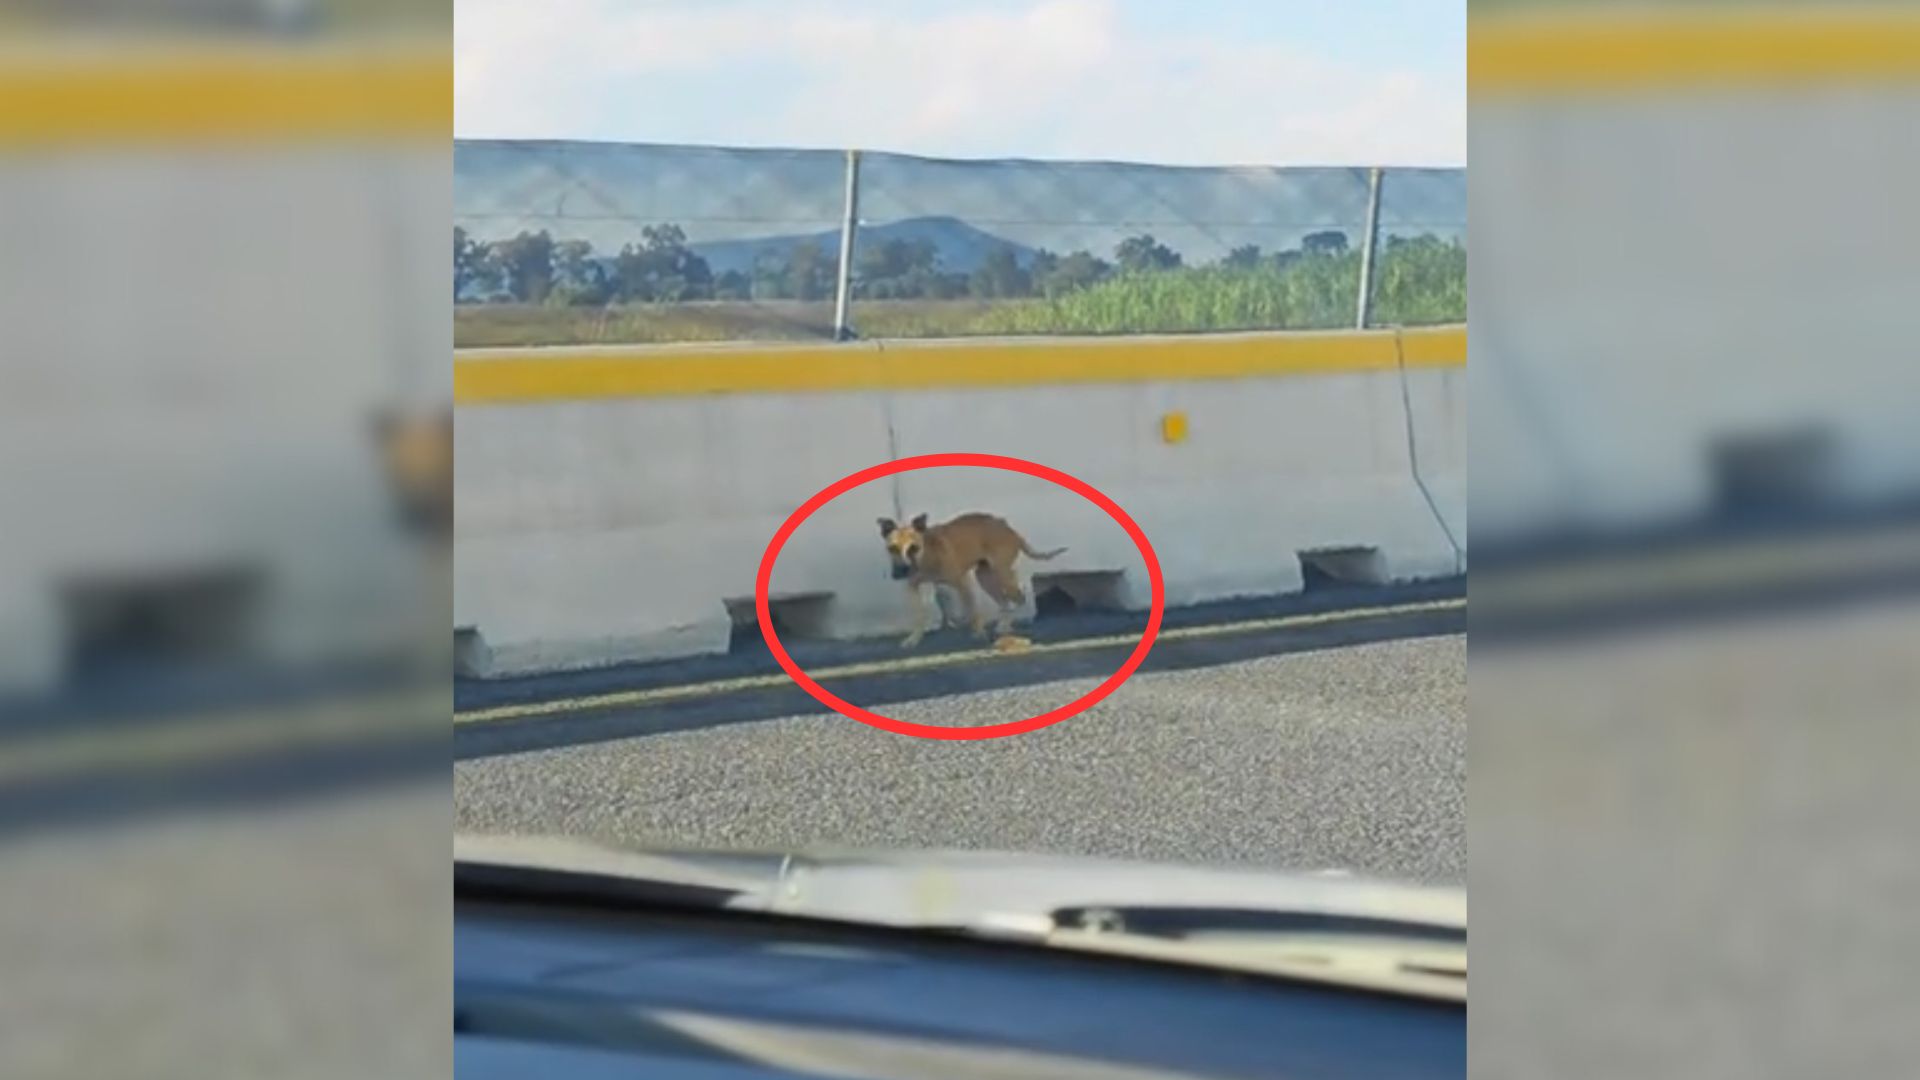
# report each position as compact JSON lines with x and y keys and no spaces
{"x":978,"y":890}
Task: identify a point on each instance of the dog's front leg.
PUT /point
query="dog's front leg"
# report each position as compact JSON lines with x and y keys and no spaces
{"x":941,"y":600}
{"x":917,"y":603}
{"x":970,"y":605}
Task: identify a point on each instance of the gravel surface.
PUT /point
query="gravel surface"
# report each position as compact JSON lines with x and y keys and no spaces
{"x":1353,"y":758}
{"x":310,"y":939}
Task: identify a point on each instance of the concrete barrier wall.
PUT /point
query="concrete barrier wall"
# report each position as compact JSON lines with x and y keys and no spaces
{"x":1436,"y":404}
{"x":590,"y":532}
{"x":262,"y":221}
{"x":1665,"y":270}
{"x":611,"y":503}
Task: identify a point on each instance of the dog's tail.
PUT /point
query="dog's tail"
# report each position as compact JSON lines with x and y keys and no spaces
{"x":1027,"y":550}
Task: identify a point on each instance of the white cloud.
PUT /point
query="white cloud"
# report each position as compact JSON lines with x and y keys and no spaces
{"x":1045,"y":78}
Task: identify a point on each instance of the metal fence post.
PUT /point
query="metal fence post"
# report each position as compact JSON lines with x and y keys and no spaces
{"x":1367,"y":248}
{"x":849,"y":221}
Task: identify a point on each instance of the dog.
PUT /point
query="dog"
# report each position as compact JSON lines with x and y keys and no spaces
{"x":979,"y":544}
{"x":416,"y":456}
{"x":415,"y":452}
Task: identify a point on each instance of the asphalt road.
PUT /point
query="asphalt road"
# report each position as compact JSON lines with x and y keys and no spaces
{"x":1352,"y":757}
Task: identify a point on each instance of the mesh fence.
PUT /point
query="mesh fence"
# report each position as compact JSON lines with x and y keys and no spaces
{"x":571,"y":243}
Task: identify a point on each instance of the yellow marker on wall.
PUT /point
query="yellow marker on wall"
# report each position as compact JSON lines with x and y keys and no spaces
{"x":1173,"y":427}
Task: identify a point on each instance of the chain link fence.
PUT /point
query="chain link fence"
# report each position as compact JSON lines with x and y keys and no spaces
{"x":581,"y":243}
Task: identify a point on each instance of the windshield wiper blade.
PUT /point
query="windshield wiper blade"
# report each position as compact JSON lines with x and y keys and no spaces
{"x":964,"y":888}
{"x":1328,"y":928}
{"x":1172,"y":921}
{"x":1428,"y":970}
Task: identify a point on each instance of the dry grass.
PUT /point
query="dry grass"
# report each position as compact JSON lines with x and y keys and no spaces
{"x":507,"y":325}
{"x":501,"y":325}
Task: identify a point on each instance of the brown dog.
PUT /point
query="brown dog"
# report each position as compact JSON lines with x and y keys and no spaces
{"x":980,"y":544}
{"x":416,"y":450}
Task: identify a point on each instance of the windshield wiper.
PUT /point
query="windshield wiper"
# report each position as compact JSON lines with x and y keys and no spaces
{"x":1381,"y":953}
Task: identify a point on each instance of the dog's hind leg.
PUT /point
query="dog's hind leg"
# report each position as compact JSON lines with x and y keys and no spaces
{"x":971,"y":605}
{"x":1000,"y":585}
{"x":951,"y":607}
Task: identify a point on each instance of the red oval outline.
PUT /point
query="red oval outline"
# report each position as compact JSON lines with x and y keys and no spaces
{"x":847,"y":709}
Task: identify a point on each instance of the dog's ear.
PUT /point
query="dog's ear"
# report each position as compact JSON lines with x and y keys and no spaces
{"x":920,"y":523}
{"x":887,"y":525}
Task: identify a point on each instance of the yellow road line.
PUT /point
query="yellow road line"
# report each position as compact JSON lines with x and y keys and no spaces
{"x":1728,"y":566}
{"x":900,"y":665}
{"x":1614,"y":50}
{"x":169,"y":95}
{"x":503,"y":376}
{"x":170,"y":741}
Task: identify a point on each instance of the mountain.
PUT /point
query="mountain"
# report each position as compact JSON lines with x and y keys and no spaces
{"x":607,"y":193}
{"x":962,"y":247}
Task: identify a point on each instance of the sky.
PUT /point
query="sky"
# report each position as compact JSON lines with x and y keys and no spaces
{"x":1197,"y":82}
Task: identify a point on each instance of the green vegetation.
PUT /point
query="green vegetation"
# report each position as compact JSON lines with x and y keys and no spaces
{"x":545,"y":293}
{"x":1417,"y":283}
{"x":1420,"y":282}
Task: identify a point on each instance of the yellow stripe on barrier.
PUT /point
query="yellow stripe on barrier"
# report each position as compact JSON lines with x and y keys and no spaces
{"x":201,"y":94}
{"x":503,"y":376}
{"x":1609,"y":51}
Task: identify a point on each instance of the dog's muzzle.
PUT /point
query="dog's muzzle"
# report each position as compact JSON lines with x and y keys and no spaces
{"x":901,"y":571}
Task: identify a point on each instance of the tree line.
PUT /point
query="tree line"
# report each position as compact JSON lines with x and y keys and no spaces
{"x":533,"y":268}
